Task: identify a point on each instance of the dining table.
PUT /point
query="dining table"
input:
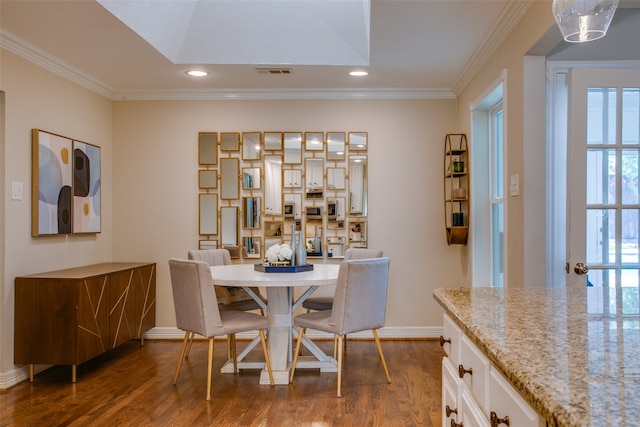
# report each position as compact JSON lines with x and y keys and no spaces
{"x":279,"y":307}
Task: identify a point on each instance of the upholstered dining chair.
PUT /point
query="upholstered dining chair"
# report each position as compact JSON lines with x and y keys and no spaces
{"x":325,"y":303}
{"x":229,"y":298}
{"x":359,"y":304}
{"x":197,"y":312}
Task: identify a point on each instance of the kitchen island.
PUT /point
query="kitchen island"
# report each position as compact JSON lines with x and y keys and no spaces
{"x":572,"y":354}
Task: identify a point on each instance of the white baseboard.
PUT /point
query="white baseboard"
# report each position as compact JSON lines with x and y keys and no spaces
{"x":19,"y":374}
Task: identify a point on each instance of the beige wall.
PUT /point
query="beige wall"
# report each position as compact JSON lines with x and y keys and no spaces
{"x":510,"y":56}
{"x":38,"y":99}
{"x":155,"y":185}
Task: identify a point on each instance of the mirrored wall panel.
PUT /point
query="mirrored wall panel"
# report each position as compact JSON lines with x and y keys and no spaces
{"x":255,"y":187}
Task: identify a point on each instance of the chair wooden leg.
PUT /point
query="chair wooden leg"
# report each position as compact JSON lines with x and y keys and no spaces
{"x":182,"y":350}
{"x":193,"y":334}
{"x":234,"y":353}
{"x":301,"y":332}
{"x":209,"y":368}
{"x":384,"y":363}
{"x":267,"y":361}
{"x":340,"y":342}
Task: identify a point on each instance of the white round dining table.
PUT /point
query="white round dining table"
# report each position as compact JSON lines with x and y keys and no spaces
{"x":279,"y":309}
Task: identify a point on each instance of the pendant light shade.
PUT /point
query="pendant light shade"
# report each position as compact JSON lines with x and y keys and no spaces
{"x":583,"y":20}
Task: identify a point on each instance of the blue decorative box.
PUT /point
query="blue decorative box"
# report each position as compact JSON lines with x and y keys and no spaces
{"x":282,"y":268}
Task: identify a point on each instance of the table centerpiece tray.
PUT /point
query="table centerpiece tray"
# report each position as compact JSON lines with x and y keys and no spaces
{"x":266,"y":268}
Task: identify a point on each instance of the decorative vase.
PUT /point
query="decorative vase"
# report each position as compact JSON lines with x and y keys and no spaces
{"x":293,"y":245}
{"x":301,"y":250}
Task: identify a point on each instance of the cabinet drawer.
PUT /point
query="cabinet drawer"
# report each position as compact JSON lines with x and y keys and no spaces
{"x":450,"y":392}
{"x":505,"y":401}
{"x":450,"y":340}
{"x":470,"y":413}
{"x":474,"y":371}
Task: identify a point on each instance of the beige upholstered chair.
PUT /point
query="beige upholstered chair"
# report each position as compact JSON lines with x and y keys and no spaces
{"x":359,"y":304}
{"x":325,"y":303}
{"x":231,"y":298}
{"x":197,"y":312}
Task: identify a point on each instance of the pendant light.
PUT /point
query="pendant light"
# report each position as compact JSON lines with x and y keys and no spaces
{"x":583,"y":20}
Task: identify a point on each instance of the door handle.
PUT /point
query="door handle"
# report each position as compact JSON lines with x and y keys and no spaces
{"x":581,"y":269}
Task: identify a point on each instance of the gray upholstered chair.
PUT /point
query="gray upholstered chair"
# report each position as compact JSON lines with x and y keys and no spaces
{"x":359,"y":304}
{"x":197,"y":312}
{"x":325,"y":303}
{"x":229,"y":298}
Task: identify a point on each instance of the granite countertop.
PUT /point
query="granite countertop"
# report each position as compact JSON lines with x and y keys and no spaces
{"x":574,"y":354}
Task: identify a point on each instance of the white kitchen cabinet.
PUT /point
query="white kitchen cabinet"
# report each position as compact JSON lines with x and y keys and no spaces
{"x":506,"y":403}
{"x":474,"y":392}
{"x":450,"y":392}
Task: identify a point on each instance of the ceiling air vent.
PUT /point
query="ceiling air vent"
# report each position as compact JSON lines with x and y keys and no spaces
{"x":274,"y":71}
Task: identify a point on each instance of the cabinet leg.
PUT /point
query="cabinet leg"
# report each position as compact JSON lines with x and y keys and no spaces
{"x":73,"y":373}
{"x":31,"y":369}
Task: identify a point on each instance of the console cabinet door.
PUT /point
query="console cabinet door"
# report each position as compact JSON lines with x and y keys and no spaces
{"x":122,"y":311}
{"x":93,"y":317}
{"x":145,"y":291}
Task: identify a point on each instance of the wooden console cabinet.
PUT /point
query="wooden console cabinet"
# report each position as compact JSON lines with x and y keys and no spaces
{"x":67,"y":317}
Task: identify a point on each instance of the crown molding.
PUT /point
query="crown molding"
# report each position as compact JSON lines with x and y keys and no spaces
{"x":508,"y":19}
{"x":28,"y":51}
{"x":285,"y":94}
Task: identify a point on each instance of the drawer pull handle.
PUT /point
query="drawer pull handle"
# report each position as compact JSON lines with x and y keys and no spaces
{"x":450,"y":411}
{"x":442,"y":341}
{"x":462,"y":371}
{"x":455,"y":424}
{"x":495,"y":421}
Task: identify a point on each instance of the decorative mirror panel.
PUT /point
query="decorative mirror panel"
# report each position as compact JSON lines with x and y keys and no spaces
{"x":357,"y":141}
{"x":229,"y":225}
{"x":208,"y":214}
{"x":293,"y":148}
{"x":251,"y":178}
{"x":358,"y":185}
{"x":292,"y":178}
{"x":273,"y":185}
{"x":336,"y":179}
{"x":251,"y":146}
{"x":229,"y":173}
{"x":208,"y":148}
{"x":314,"y":141}
{"x":335,"y":146}
{"x":207,"y":178}
{"x":251,"y":210}
{"x":230,"y":141}
{"x":273,"y":141}
{"x":251,"y":247}
{"x":314,"y":178}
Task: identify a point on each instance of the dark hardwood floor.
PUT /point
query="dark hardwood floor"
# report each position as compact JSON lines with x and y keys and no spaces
{"x":132,"y":386}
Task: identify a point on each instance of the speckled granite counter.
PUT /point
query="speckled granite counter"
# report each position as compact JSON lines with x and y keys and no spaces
{"x":574,"y":354}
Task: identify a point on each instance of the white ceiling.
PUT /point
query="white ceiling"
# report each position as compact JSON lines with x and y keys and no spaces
{"x":428,"y":48}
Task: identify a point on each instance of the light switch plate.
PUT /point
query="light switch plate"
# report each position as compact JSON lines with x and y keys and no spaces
{"x":16,"y":190}
{"x":513,"y":189}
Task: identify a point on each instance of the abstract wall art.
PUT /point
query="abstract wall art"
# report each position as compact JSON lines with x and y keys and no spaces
{"x":65,"y":187}
{"x":86,"y":188}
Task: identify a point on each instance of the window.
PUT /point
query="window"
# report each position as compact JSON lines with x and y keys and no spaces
{"x":496,"y":200}
{"x":487,"y":158}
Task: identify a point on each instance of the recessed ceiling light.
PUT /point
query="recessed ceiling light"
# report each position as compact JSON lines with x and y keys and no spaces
{"x":197,"y":73}
{"x":358,"y":73}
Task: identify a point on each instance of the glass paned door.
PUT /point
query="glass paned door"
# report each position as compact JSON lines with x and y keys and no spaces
{"x":603,"y":206}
